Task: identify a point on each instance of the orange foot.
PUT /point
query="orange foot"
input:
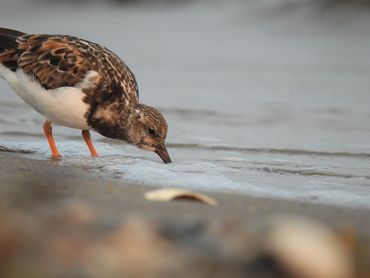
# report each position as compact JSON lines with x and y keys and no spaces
{"x":56,"y":157}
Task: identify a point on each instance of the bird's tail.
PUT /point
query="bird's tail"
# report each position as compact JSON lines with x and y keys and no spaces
{"x":8,"y":48}
{"x":8,"y":38}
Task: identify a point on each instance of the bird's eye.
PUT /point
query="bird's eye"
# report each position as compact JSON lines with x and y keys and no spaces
{"x":151,"y":131}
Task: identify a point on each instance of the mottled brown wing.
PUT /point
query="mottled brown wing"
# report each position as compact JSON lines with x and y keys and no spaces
{"x":59,"y":60}
{"x":53,"y":61}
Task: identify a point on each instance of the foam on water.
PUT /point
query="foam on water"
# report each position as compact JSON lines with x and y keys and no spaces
{"x":122,"y":162}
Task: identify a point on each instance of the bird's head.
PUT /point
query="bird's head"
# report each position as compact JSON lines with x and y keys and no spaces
{"x":147,"y":129}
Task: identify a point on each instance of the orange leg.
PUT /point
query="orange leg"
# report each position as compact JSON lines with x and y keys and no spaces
{"x":89,"y":143}
{"x":49,"y":135}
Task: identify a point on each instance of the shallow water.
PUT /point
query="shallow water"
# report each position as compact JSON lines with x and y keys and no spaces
{"x":260,"y":100}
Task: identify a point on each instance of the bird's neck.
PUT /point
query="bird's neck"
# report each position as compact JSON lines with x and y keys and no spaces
{"x":112,"y":120}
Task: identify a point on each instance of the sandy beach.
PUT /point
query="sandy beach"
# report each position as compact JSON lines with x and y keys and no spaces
{"x":70,"y":202}
{"x":36,"y":183}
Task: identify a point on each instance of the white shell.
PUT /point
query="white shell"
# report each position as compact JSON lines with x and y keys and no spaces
{"x":307,"y":249}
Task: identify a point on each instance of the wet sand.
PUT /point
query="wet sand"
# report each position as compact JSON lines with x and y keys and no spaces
{"x":36,"y":184}
{"x":71,"y":214}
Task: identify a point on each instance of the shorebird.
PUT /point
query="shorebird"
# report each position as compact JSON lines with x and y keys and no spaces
{"x":80,"y":84}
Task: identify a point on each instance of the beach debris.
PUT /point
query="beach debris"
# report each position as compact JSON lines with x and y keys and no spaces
{"x":169,"y":194}
{"x":5,"y":149}
{"x":72,"y":214}
{"x":303,"y":248}
{"x":134,"y":249}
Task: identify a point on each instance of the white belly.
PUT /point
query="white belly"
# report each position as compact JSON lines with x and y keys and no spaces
{"x":63,"y":106}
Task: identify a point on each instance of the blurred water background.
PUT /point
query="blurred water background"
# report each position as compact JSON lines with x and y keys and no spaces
{"x":265,"y":98}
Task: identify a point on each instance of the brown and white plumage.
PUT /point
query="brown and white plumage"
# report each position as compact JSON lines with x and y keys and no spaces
{"x":80,"y":84}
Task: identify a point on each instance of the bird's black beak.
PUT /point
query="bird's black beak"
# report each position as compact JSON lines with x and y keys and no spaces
{"x":161,"y":150}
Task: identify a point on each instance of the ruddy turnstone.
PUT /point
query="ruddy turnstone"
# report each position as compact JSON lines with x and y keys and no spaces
{"x":80,"y":84}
